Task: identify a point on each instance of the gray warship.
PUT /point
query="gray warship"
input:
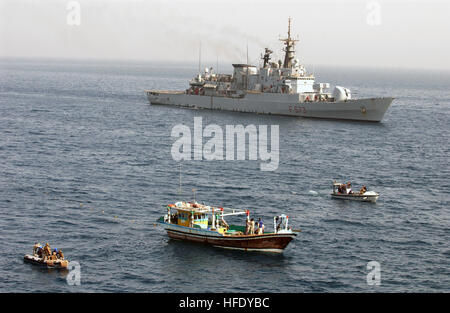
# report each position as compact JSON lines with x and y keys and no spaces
{"x":279,"y":88}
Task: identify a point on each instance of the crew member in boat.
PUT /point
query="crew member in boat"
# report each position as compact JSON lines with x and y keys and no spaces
{"x":279,"y":222}
{"x":363,"y":189}
{"x":349,"y":188}
{"x":54,"y":256}
{"x":174,"y":218}
{"x":36,"y":248}
{"x":47,"y":251}
{"x":247,"y":226}
{"x":260,"y":226}
{"x":252,"y":226}
{"x":342,"y":189}
{"x":39,"y":252}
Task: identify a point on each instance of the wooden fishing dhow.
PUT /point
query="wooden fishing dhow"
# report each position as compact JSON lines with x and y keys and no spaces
{"x":205,"y":224}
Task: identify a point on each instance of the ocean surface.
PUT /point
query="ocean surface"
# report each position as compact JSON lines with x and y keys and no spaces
{"x":86,"y":165}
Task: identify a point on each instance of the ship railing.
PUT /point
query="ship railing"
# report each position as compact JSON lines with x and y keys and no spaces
{"x":156,"y":92}
{"x":233,"y":213}
{"x":227,"y":211}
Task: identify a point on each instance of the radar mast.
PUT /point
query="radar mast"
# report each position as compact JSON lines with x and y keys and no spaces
{"x":266,"y":57}
{"x":289,"y":49}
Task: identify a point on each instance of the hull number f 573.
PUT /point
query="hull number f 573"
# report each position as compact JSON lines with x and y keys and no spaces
{"x":297,"y":109}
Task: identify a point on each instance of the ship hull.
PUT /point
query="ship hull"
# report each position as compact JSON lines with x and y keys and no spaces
{"x":369,"y":109}
{"x":59,"y":264}
{"x":269,"y":242}
{"x":362,"y":198}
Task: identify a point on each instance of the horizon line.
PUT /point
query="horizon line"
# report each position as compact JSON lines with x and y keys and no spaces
{"x":195,"y":63}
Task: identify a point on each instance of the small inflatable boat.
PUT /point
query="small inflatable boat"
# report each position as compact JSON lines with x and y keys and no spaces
{"x":48,"y":263}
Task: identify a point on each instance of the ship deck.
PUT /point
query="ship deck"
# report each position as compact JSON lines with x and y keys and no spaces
{"x":155,"y":92}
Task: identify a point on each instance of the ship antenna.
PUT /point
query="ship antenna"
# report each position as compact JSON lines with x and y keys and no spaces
{"x":246,"y":78}
{"x":289,"y":49}
{"x":199,"y":57}
{"x":289,"y":28}
{"x":247,"y":53}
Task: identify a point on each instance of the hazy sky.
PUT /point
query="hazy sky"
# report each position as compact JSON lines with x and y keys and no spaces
{"x":394,"y":33}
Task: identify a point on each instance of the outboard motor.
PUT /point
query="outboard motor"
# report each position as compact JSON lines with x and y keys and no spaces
{"x":341,"y":94}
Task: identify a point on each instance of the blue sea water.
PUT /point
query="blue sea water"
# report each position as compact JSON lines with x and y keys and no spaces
{"x":86,"y":165}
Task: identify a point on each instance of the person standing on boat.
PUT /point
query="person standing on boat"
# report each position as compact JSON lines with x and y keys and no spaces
{"x":36,"y":248}
{"x":247,"y":226}
{"x":349,"y":188}
{"x":260,"y":226}
{"x":252,"y":226}
{"x":47,"y":251}
{"x":279,"y":222}
{"x":363,"y":189}
{"x":191,"y":220}
{"x":342,"y":189}
{"x":40,"y":252}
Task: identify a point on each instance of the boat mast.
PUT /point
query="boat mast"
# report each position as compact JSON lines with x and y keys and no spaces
{"x":289,"y":49}
{"x":199,"y":57}
{"x":247,"y":53}
{"x":179,"y":190}
{"x":246,"y":78}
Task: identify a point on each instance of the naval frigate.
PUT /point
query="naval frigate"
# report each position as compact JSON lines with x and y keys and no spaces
{"x":279,"y":88}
